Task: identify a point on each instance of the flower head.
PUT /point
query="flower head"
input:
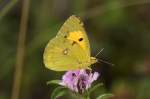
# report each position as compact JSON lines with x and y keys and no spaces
{"x":79,"y":80}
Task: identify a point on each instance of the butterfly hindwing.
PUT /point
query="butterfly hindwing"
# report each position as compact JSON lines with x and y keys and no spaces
{"x":60,"y":55}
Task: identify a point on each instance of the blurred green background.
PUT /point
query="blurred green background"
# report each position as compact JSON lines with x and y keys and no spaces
{"x":121,"y":27}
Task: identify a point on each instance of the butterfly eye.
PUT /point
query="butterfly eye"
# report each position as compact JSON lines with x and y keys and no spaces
{"x":80,"y":39}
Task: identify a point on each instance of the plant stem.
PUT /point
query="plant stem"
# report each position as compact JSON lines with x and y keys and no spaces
{"x":20,"y":51}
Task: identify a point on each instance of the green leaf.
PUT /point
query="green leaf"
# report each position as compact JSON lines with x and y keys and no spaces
{"x":54,"y":82}
{"x":105,"y":96}
{"x":58,"y":92}
{"x":95,"y":87}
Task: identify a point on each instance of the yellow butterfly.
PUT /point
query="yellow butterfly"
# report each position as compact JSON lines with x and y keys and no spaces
{"x":70,"y":49}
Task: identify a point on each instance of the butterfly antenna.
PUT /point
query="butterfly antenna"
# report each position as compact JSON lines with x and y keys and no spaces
{"x":100,"y":60}
{"x":99,"y":52}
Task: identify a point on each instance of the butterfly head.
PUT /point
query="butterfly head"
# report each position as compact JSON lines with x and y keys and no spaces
{"x":93,"y":60}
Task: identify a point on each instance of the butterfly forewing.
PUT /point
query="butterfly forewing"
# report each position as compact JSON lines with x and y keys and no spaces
{"x":74,"y":24}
